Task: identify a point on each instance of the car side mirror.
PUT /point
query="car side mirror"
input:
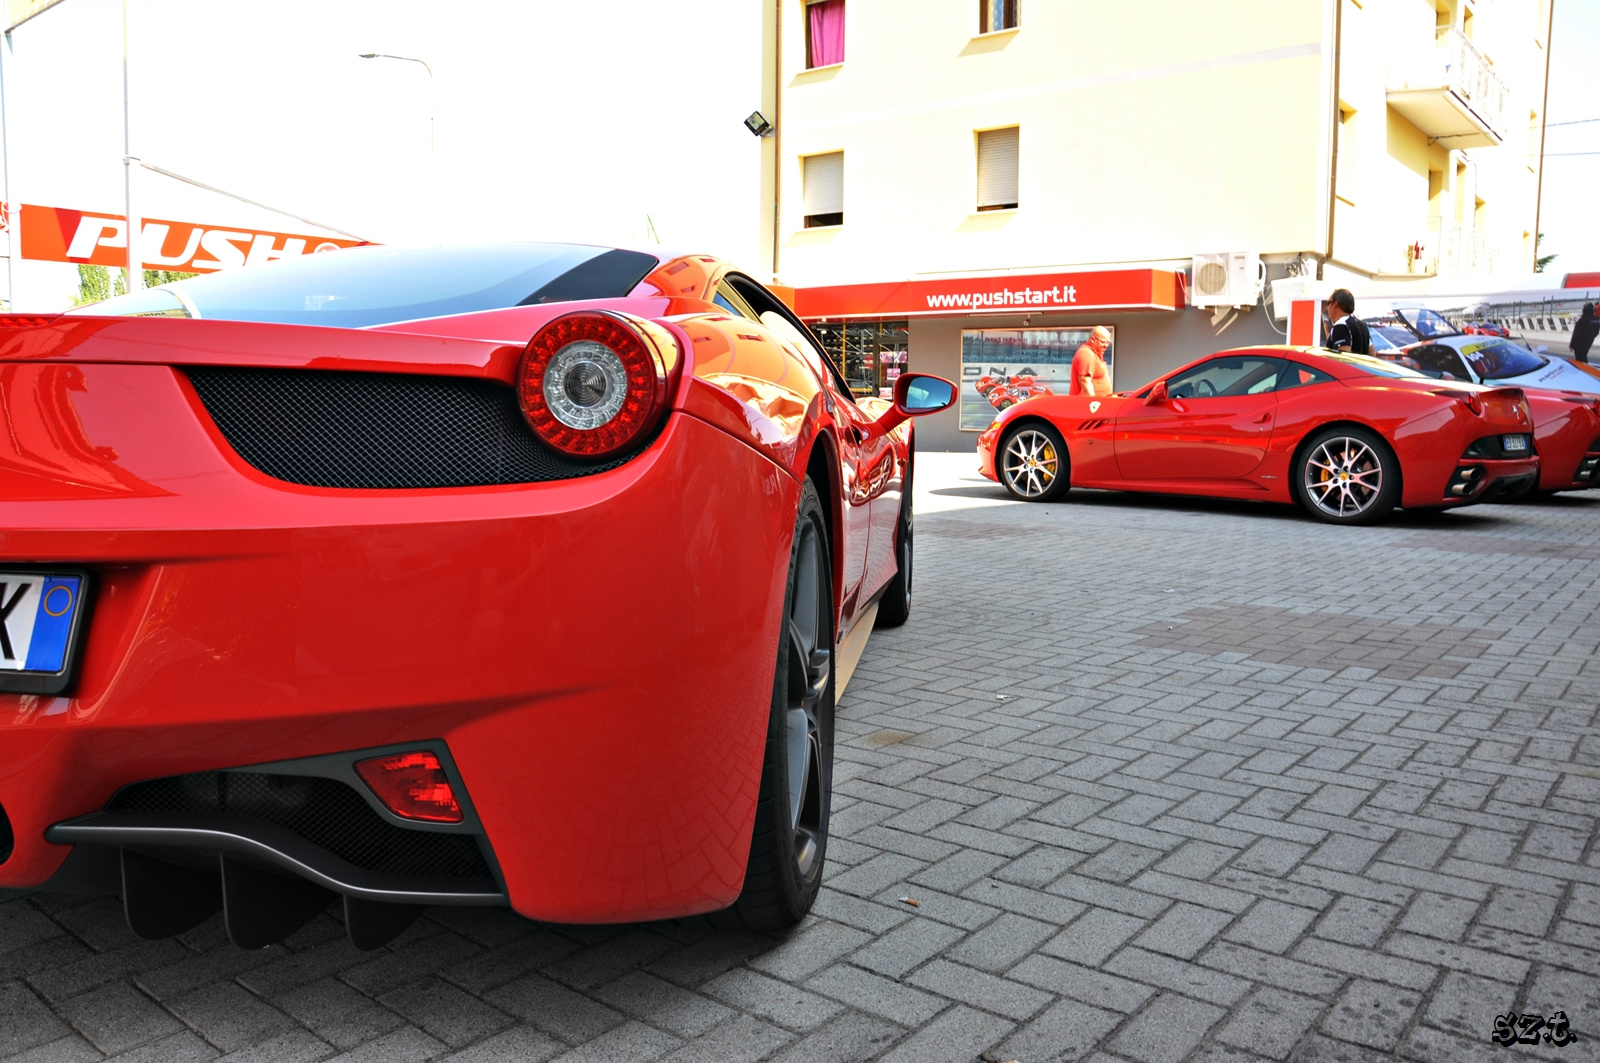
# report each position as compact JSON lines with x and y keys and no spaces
{"x":1158,"y":393}
{"x":915,"y":395}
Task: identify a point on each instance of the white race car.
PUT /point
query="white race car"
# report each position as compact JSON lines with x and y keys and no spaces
{"x":1446,"y":353}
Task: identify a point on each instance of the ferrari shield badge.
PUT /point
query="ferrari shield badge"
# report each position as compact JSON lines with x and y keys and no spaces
{"x":1094,"y":407}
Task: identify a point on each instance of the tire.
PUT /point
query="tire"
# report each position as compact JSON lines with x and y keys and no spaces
{"x":1347,"y":476}
{"x":894,"y":607}
{"x":1039,"y":470}
{"x":790,"y":841}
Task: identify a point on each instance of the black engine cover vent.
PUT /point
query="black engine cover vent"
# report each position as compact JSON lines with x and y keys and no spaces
{"x":334,"y":428}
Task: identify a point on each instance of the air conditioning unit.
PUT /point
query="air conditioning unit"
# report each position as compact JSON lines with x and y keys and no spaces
{"x":1228,"y":278}
{"x":1285,"y":290}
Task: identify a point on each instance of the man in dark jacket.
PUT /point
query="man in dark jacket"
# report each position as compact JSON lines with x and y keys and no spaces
{"x":1346,"y":333}
{"x":1583,"y":333}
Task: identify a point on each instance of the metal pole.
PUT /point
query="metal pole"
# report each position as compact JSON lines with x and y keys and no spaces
{"x":129,"y":164}
{"x":1538,"y":195}
{"x":12,"y":220}
{"x":433,"y":98}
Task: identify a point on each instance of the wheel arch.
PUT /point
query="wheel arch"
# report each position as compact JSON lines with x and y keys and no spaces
{"x":822,"y":466}
{"x":1343,"y":422}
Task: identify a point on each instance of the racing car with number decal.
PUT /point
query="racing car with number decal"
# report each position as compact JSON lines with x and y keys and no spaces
{"x":1347,"y":437}
{"x":498,"y":575}
{"x":1442,"y":351}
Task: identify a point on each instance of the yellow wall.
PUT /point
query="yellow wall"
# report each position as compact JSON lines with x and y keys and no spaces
{"x":1149,"y":133}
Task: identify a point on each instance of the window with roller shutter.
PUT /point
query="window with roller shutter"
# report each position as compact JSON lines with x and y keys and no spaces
{"x":822,"y":188}
{"x":997,"y":168}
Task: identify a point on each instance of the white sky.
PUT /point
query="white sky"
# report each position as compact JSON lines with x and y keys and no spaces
{"x":554,"y":120}
{"x":1570,"y":214}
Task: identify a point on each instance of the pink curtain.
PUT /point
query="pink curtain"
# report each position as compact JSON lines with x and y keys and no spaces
{"x":827,"y":32}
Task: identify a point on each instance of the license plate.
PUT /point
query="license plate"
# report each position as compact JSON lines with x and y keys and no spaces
{"x":1512,"y":443}
{"x":40,"y":614}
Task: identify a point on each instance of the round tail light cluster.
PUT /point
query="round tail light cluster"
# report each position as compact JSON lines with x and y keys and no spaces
{"x":592,"y":384}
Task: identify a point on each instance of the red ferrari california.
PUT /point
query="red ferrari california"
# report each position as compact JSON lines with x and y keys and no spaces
{"x":502,"y":575}
{"x":1348,"y":437}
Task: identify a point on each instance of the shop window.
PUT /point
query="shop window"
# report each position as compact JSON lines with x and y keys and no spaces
{"x":996,"y":15}
{"x":870,"y":354}
{"x":824,"y":33}
{"x":997,"y":168}
{"x":822,"y":188}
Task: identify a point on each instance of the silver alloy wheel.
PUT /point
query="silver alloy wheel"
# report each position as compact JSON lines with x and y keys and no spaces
{"x":810,"y":668}
{"x":1343,"y":476}
{"x":1030,"y":463}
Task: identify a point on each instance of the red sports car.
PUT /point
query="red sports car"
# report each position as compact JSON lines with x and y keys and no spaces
{"x":1348,"y":437}
{"x":501,"y":575}
{"x":1566,"y":436}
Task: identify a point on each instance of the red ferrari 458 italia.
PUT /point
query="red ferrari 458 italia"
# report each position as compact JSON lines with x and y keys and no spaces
{"x":502,"y":575}
{"x":1348,"y":437}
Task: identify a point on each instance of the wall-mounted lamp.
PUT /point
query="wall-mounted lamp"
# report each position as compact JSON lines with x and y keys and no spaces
{"x":757,"y":124}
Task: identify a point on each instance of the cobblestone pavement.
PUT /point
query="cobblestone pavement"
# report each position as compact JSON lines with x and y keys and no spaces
{"x":1167,"y":780}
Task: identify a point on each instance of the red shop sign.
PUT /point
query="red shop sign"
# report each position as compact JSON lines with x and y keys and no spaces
{"x":1117,"y":289}
{"x":56,"y":234}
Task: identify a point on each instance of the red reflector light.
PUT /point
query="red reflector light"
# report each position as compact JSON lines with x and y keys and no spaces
{"x":26,"y":320}
{"x":592,"y":383}
{"x":412,"y":786}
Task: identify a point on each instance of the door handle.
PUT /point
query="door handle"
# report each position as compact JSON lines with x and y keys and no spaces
{"x":1264,"y":418}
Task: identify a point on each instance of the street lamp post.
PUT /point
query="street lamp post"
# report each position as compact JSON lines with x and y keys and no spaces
{"x":432,"y":97}
{"x":132,"y":224}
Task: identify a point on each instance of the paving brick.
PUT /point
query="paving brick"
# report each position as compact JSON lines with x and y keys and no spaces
{"x":956,"y":1036}
{"x":408,"y":1045}
{"x":1357,"y":921}
{"x":1002,"y":943}
{"x":1519,"y":910}
{"x":554,"y":1009}
{"x":1086,"y":984}
{"x":1168,"y":1028}
{"x":1067,"y":1030}
{"x":446,"y":1013}
{"x":1466,"y":1004}
{"x":877,"y":995}
{"x":1168,"y":973}
{"x":1437,"y":916}
{"x":744,"y":1039}
{"x":906,"y":947}
{"x":25,"y":1020}
{"x":1271,"y":925}
{"x":338,"y":1014}
{"x":979,"y":989}
{"x":1184,"y":930}
{"x":633,"y":1041}
{"x":1094,"y":936}
{"x":1271,"y":1022}
{"x":118,"y":1017}
{"x":1371,"y":1014}
{"x":777,"y":1002}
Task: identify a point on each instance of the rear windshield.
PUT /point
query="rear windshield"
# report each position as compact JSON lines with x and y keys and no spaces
{"x":366,"y":286}
{"x":1497,"y":359}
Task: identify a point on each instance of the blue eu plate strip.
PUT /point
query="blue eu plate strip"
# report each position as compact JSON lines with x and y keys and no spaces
{"x":58,"y":604}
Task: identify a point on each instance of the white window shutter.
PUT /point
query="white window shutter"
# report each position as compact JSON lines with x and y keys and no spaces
{"x":822,"y":177}
{"x":997,"y":167}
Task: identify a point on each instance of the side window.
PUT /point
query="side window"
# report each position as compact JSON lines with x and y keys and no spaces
{"x":733,"y":302}
{"x":1230,"y":376}
{"x":770,"y":311}
{"x":1441,"y":363}
{"x":1296,"y":375}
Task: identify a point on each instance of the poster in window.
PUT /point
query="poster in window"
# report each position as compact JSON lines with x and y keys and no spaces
{"x":1002,"y":367}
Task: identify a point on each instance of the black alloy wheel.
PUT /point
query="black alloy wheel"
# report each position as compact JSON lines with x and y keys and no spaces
{"x":894,"y":607}
{"x":790,"y":841}
{"x":1032,"y":462}
{"x":1347,"y":476}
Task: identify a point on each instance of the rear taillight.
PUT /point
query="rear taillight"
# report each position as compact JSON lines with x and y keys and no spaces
{"x":1470,"y":399}
{"x":592,"y":384}
{"x":412,"y":786}
{"x":27,"y":320}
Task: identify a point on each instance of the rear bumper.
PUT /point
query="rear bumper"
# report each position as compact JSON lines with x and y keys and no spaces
{"x":596,"y":655}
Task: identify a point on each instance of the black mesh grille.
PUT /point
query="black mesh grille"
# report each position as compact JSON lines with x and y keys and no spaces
{"x":380,"y":430}
{"x":325,"y":812}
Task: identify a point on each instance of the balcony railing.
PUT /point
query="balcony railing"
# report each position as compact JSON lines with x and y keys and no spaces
{"x":1472,"y":78}
{"x":1456,"y":251}
{"x":1450,"y":92}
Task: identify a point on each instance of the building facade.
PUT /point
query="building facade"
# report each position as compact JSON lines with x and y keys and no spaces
{"x":988,"y":149}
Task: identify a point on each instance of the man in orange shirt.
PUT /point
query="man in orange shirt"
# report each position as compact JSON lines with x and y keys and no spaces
{"x":1089,"y":373}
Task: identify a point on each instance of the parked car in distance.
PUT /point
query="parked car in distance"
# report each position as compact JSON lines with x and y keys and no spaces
{"x":1347,"y":437}
{"x":1440,"y":350}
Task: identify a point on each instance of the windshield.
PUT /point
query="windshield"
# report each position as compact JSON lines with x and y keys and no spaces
{"x":1427,"y":324}
{"x":366,"y":286}
{"x":1496,"y":359}
{"x":1375,"y":366}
